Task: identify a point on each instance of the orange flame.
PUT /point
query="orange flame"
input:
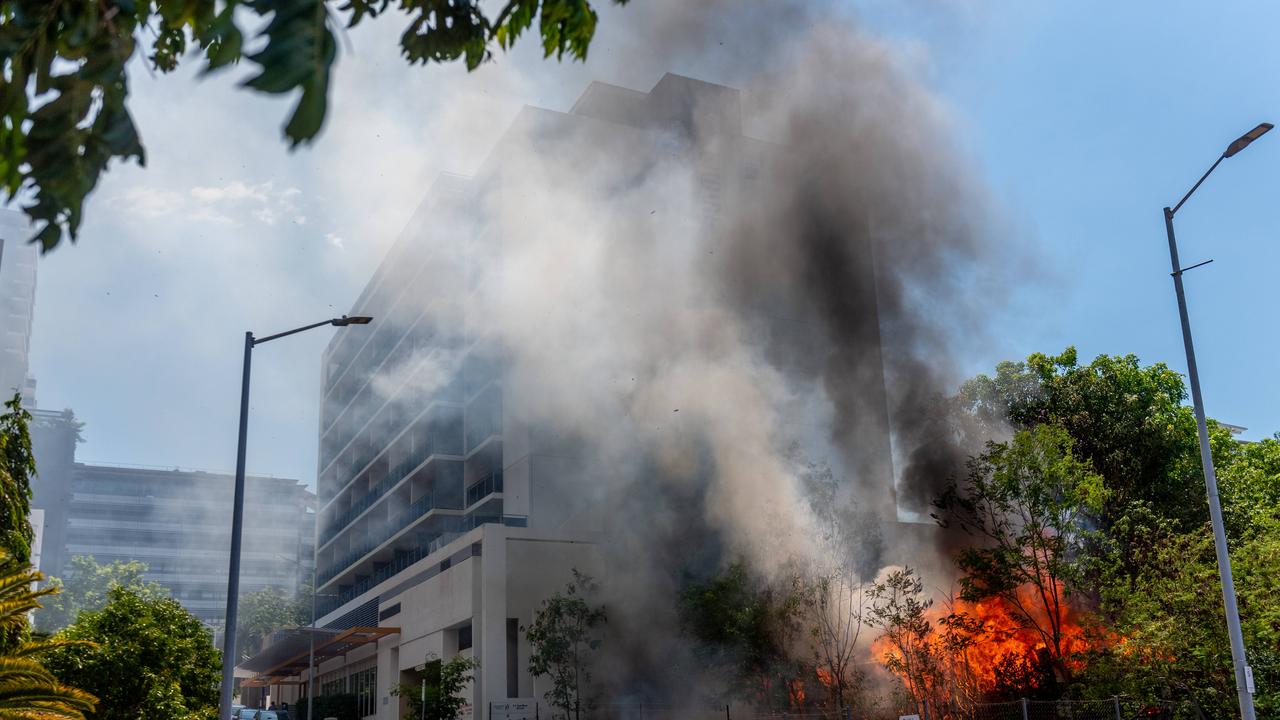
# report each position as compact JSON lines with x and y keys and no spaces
{"x":991,"y":638}
{"x":795,"y":693}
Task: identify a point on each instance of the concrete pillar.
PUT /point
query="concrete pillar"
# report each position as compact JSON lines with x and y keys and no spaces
{"x":489,"y":630}
{"x":388,"y":678}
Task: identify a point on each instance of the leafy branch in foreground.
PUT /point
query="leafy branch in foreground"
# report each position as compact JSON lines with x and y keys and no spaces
{"x":64,"y":113}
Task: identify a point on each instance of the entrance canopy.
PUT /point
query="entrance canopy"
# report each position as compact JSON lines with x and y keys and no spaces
{"x":284,"y":660}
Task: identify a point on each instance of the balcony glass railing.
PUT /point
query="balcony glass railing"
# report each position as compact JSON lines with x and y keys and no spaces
{"x":345,"y":518}
{"x":403,"y":558}
{"x":483,"y":489}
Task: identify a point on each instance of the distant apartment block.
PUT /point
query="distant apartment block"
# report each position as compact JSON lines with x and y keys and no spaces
{"x":177,"y":522}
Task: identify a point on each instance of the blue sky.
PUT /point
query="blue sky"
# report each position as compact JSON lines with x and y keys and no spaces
{"x":1088,"y":118}
{"x":1083,"y":119}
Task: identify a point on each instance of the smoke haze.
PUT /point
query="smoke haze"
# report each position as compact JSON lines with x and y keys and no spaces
{"x":697,"y":313}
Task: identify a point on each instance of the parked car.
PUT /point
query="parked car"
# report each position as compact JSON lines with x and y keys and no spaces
{"x":273,"y":715}
{"x":248,"y":714}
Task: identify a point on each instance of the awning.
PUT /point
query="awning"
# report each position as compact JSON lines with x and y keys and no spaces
{"x":285,"y":659}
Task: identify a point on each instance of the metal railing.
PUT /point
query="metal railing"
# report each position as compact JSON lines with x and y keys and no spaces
{"x":403,"y":557}
{"x":492,"y":483}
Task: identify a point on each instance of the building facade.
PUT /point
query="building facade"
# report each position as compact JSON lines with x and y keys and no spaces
{"x":17,"y":300}
{"x":177,"y":522}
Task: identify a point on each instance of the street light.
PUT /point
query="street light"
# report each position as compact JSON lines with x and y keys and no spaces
{"x":1243,"y":141}
{"x":1244,"y":674}
{"x":237,"y":509}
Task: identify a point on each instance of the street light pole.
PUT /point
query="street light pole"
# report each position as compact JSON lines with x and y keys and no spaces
{"x":237,"y":512}
{"x":237,"y":525}
{"x":311,"y":654}
{"x":1243,"y":673}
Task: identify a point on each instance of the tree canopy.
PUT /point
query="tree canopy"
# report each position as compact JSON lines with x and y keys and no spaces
{"x":264,"y":611}
{"x":149,"y":657}
{"x":743,"y":627}
{"x":1123,"y":520}
{"x":17,"y":467}
{"x":1128,"y":421}
{"x":88,"y":587}
{"x":1029,"y":501}
{"x":64,"y":108}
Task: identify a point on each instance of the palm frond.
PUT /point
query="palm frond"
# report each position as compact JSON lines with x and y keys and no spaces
{"x":38,"y":647}
{"x":28,"y":691}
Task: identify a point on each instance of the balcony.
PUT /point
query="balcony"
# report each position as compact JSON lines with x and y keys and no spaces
{"x":436,"y":430}
{"x":404,"y":558}
{"x":343,"y":520}
{"x":483,"y":489}
{"x":403,"y":519}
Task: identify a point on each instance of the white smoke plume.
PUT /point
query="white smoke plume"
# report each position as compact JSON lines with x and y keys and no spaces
{"x":693,"y":310}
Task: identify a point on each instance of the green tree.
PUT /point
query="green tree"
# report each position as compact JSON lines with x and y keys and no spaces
{"x":1165,"y":636}
{"x":27,"y":688}
{"x":562,"y":639}
{"x":443,"y":683}
{"x":1127,"y":420}
{"x":17,"y":469}
{"x":264,"y":611}
{"x":898,"y":608}
{"x":1248,"y":484}
{"x":150,"y":657}
{"x":1028,"y":502}
{"x":744,"y":627}
{"x":74,"y":57}
{"x":88,"y":586}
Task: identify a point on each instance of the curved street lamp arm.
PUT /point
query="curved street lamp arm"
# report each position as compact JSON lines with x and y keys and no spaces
{"x":312,"y":326}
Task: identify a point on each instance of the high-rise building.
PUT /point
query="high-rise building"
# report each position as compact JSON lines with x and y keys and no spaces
{"x":176,"y":522}
{"x":17,"y":298}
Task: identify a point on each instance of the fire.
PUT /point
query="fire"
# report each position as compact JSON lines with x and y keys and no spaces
{"x":795,"y":693}
{"x":974,"y":647}
{"x":824,"y":677}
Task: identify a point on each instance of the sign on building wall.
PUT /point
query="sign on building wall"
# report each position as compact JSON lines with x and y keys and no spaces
{"x":514,"y":709}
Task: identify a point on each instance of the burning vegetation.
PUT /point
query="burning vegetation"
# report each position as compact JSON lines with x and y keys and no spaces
{"x":955,"y":655}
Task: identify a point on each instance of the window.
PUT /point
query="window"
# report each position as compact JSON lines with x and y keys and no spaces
{"x":464,"y":638}
{"x":364,"y":685}
{"x":336,"y":686}
{"x":513,"y":665}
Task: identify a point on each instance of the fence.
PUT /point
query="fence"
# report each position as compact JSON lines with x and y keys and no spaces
{"x":1111,"y":709}
{"x":1051,"y":710}
{"x":651,"y":711}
